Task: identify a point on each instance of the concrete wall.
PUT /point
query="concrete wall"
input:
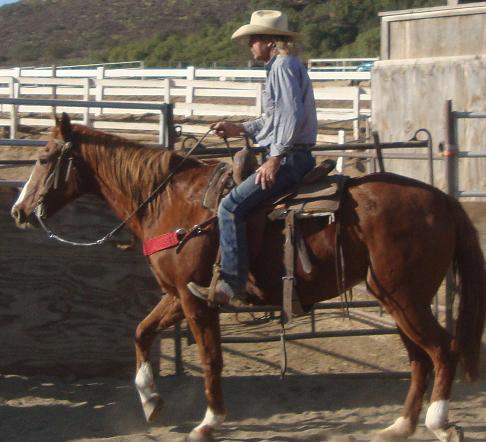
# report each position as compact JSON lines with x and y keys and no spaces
{"x":431,"y":56}
{"x":411,"y":94}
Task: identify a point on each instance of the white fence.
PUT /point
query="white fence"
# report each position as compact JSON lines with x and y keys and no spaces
{"x":189,"y":73}
{"x":336,"y":64}
{"x":191,"y":97}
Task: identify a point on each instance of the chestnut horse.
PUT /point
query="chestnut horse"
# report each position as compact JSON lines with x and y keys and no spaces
{"x":399,"y":235}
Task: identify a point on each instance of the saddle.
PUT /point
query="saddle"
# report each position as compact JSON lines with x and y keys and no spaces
{"x":318,"y":195}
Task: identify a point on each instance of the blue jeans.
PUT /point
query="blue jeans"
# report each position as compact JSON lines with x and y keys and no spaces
{"x":234,"y":208}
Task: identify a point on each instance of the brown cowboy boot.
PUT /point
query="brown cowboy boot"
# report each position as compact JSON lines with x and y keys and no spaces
{"x":224,"y":294}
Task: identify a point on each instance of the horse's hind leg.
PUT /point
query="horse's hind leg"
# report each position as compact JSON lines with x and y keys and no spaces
{"x":414,"y":317}
{"x":421,"y":367}
{"x":165,"y":314}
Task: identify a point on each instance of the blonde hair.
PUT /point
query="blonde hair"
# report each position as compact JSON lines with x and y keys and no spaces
{"x":282,"y":44}
{"x":286,"y":46}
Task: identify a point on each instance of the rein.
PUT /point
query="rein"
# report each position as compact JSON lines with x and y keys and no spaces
{"x":53,"y":181}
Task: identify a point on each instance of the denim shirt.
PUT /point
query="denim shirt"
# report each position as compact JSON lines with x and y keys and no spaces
{"x":289,"y":119}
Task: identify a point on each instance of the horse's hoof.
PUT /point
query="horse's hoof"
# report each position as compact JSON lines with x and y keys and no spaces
{"x":399,"y":431}
{"x":152,"y":407}
{"x":204,"y":434}
{"x":453,"y":433}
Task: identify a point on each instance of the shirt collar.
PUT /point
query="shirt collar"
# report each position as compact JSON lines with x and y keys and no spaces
{"x":269,"y":63}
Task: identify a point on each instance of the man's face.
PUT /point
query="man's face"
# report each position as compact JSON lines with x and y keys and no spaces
{"x":261,"y":47}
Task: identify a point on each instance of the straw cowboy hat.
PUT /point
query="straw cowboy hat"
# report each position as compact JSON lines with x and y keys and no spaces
{"x":265,"y":22}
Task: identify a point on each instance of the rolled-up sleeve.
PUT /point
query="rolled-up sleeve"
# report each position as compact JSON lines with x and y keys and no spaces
{"x":252,"y":127}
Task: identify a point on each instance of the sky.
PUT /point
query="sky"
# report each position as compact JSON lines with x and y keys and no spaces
{"x":4,"y":2}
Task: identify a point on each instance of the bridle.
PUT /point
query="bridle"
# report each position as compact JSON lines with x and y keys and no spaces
{"x":53,"y":182}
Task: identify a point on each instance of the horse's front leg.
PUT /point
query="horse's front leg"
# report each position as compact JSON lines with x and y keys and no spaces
{"x":204,"y":324}
{"x":165,"y":314}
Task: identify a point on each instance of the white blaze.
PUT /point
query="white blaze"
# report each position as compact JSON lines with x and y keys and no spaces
{"x":23,"y":194}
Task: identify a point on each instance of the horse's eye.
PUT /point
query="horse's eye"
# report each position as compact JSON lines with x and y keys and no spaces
{"x":43,"y":160}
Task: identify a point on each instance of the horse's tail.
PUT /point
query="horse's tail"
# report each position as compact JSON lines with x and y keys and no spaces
{"x":469,"y":264}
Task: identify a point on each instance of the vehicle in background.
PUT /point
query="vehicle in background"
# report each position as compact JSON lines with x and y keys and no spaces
{"x":366,"y":66}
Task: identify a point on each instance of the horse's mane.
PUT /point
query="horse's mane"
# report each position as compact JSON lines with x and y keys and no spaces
{"x":135,"y":169}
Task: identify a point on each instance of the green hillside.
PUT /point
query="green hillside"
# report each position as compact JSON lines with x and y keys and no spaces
{"x":169,"y":32}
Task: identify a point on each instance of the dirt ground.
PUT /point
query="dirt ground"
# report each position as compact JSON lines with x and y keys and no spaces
{"x":336,"y":389}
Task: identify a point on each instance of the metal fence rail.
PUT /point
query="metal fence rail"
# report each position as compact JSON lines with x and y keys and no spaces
{"x":163,"y":109}
{"x":452,"y":155}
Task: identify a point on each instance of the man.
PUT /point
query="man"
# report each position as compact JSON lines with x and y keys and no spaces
{"x":287,"y":128}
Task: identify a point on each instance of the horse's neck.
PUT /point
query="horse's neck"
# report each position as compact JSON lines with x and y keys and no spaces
{"x":123,"y":183}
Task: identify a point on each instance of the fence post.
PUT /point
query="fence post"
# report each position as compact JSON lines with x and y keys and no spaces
{"x":340,"y":160}
{"x":356,"y":111}
{"x":167,"y":90}
{"x":163,"y":130}
{"x":450,"y":152}
{"x":100,"y":75}
{"x":86,"y":119}
{"x":14,"y":93}
{"x":190,"y":90}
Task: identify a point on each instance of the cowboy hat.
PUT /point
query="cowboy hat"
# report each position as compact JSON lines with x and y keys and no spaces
{"x":265,"y":22}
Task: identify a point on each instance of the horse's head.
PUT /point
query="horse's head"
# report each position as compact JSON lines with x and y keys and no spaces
{"x":53,"y":181}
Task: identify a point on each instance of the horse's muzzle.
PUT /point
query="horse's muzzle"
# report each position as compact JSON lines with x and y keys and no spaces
{"x":22,"y":220}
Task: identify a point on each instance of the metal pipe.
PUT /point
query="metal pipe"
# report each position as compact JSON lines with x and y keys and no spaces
{"x":296,"y":336}
{"x":179,"y":365}
{"x":469,"y":114}
{"x":21,"y":142}
{"x":17,"y":162}
{"x":78,"y":103}
{"x":472,"y":193}
{"x":379,"y":155}
{"x":317,"y":306}
{"x":450,"y":152}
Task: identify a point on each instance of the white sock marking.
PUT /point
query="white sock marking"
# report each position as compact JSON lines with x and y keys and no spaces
{"x":144,"y":381}
{"x":211,"y":420}
{"x":437,"y":415}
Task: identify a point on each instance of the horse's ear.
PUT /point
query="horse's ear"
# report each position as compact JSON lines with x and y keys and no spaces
{"x":65,"y":126}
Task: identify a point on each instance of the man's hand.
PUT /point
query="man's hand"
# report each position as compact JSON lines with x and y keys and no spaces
{"x":225,"y":129}
{"x":265,"y":174}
